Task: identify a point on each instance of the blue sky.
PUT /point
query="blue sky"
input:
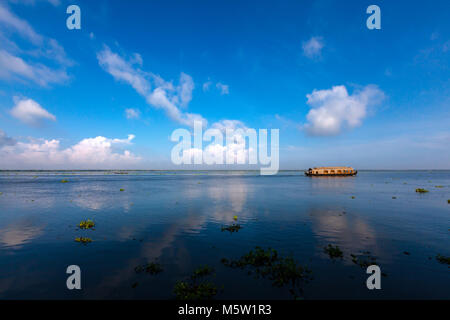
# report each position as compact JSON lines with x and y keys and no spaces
{"x":340,"y":94}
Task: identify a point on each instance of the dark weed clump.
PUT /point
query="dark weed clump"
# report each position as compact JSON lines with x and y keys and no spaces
{"x":202,"y":271}
{"x":86,"y":224}
{"x":83,"y":240}
{"x":364,"y":260}
{"x":64,"y":181}
{"x":421,"y":190}
{"x":333,"y":252}
{"x":196,"y":287}
{"x":282,"y":271}
{"x":152,"y":268}
{"x":442,"y":259}
{"x":232,"y":228}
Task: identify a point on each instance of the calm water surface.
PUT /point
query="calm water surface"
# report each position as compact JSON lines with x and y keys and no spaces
{"x":176,"y":217}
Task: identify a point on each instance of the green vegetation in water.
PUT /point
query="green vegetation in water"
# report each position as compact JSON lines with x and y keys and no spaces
{"x":83,"y":240}
{"x":2,"y":193}
{"x":235,"y":218}
{"x":64,"y":181}
{"x":442,"y":259}
{"x":152,"y":268}
{"x":420,"y":190}
{"x":364,"y":260}
{"x":202,"y":271}
{"x":282,"y":271}
{"x":122,"y":190}
{"x":86,"y":224}
{"x":448,"y":201}
{"x":333,"y":252}
{"x":232,"y":228}
{"x":394,"y":197}
{"x":353,"y":197}
{"x":196,"y":287}
{"x":439,"y":186}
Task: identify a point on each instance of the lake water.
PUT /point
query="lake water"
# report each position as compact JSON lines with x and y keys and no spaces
{"x":175,"y":219}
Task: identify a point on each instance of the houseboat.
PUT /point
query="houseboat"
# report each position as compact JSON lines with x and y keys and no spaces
{"x":330,"y":171}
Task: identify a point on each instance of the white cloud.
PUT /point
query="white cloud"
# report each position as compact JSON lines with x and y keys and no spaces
{"x":19,"y":65}
{"x":206,"y":86}
{"x":224,"y":89}
{"x":132,"y":113}
{"x":5,"y":140}
{"x":33,"y":2}
{"x":313,"y":47}
{"x":334,"y":109}
{"x":91,"y":153}
{"x":237,"y":150}
{"x":11,"y":21}
{"x":30,"y":112}
{"x":15,"y":68}
{"x":157,"y":92}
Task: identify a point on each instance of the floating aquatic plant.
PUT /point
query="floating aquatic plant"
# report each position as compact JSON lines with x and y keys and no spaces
{"x":394,"y":198}
{"x":268,"y":264}
{"x":439,"y":186}
{"x":333,"y":252}
{"x":185,"y":290}
{"x":83,"y":240}
{"x":235,"y":218}
{"x":202,"y":271}
{"x":232,"y":228}
{"x":442,"y":259}
{"x":353,"y":197}
{"x":86,"y":224}
{"x":196,"y":287}
{"x":64,"y":181}
{"x":448,"y":201}
{"x":2,"y":193}
{"x":421,"y":190}
{"x":364,"y":260}
{"x":121,"y":189}
{"x":150,"y":268}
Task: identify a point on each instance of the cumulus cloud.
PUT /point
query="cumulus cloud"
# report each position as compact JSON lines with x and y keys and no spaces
{"x":21,"y":65}
{"x":334,"y":109}
{"x":233,"y":151}
{"x":132,"y":113}
{"x":158,"y":92}
{"x":30,"y":112}
{"x":224,"y":89}
{"x":91,"y":153}
{"x":313,"y":47}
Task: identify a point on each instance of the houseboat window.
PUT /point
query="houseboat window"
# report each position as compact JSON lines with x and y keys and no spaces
{"x":325,"y":171}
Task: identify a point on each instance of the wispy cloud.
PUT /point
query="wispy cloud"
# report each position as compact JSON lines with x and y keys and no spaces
{"x":29,"y":65}
{"x":313,"y":47}
{"x":158,"y":92}
{"x":132,"y":113}
{"x":224,"y":89}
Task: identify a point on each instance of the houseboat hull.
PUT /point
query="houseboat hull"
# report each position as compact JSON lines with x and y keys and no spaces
{"x":331,"y":174}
